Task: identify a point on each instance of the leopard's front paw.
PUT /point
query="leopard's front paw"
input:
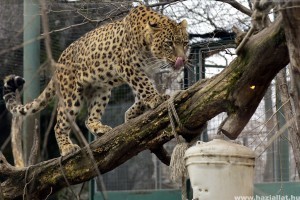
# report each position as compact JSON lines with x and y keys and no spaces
{"x":97,"y":128}
{"x":102,"y":130}
{"x":69,"y":148}
{"x":166,"y":97}
{"x":135,"y":110}
{"x":155,"y":101}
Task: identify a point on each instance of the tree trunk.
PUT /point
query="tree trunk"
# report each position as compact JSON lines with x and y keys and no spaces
{"x":290,"y":11}
{"x":265,"y":54}
{"x":289,"y":117}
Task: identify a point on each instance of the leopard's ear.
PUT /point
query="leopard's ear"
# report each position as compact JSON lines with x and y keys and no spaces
{"x":183,"y":24}
{"x":154,"y":26}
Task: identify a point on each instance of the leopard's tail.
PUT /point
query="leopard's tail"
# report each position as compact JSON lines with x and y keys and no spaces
{"x":12,"y":83}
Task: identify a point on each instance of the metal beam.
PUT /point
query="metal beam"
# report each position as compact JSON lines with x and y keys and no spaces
{"x":31,"y":63}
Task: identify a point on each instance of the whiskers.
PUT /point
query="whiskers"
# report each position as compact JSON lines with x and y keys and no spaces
{"x":190,"y":67}
{"x":163,"y":65}
{"x":157,"y":63}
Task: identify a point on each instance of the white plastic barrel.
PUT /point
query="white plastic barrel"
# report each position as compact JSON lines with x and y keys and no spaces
{"x":220,"y":170}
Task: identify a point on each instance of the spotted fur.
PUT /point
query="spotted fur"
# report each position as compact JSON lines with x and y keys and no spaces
{"x":120,"y":52}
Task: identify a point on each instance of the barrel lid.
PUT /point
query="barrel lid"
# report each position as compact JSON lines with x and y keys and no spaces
{"x":220,"y":147}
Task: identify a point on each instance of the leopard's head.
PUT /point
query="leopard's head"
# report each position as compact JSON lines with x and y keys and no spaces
{"x":168,"y":42}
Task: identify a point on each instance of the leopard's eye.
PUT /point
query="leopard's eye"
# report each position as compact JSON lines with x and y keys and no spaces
{"x":185,"y":43}
{"x":168,"y":43}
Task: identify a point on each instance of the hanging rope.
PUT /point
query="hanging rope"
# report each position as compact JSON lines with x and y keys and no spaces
{"x":177,"y":164}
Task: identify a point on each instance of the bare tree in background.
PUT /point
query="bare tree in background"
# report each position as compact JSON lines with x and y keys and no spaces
{"x":264,"y":53}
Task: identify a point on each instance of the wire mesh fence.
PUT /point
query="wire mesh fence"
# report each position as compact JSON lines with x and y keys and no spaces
{"x":69,"y":21}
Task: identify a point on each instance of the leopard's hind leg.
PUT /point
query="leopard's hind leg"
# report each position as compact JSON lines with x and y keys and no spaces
{"x":62,"y":132}
{"x":68,"y":108}
{"x":97,"y":103}
{"x":135,"y":110}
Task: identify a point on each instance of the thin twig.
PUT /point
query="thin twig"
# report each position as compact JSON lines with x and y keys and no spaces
{"x":25,"y":193}
{"x":49,"y":193}
{"x":6,"y":142}
{"x":65,"y":177}
{"x":238,"y":6}
{"x":16,"y":47}
{"x":46,"y":29}
{"x":53,"y":64}
{"x":81,"y":189}
{"x":73,"y":124}
{"x":165,"y":3}
{"x":81,"y":137}
{"x":49,"y":128}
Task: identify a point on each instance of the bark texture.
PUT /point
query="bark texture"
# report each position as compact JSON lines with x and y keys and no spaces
{"x":289,"y":116}
{"x":290,"y":11}
{"x":230,"y":91}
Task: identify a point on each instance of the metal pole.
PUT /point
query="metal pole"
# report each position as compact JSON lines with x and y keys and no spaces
{"x":282,"y":161}
{"x":31,"y":63}
{"x":269,"y":167}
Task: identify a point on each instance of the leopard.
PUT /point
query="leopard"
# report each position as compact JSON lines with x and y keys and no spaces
{"x":121,"y":52}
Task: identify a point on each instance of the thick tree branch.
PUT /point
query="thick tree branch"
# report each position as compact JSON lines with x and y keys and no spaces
{"x":289,"y":116}
{"x":265,"y":54}
{"x":238,"y":6}
{"x":249,"y":90}
{"x":290,"y":11}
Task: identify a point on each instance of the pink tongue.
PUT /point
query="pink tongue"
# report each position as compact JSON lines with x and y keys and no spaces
{"x":179,"y":62}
